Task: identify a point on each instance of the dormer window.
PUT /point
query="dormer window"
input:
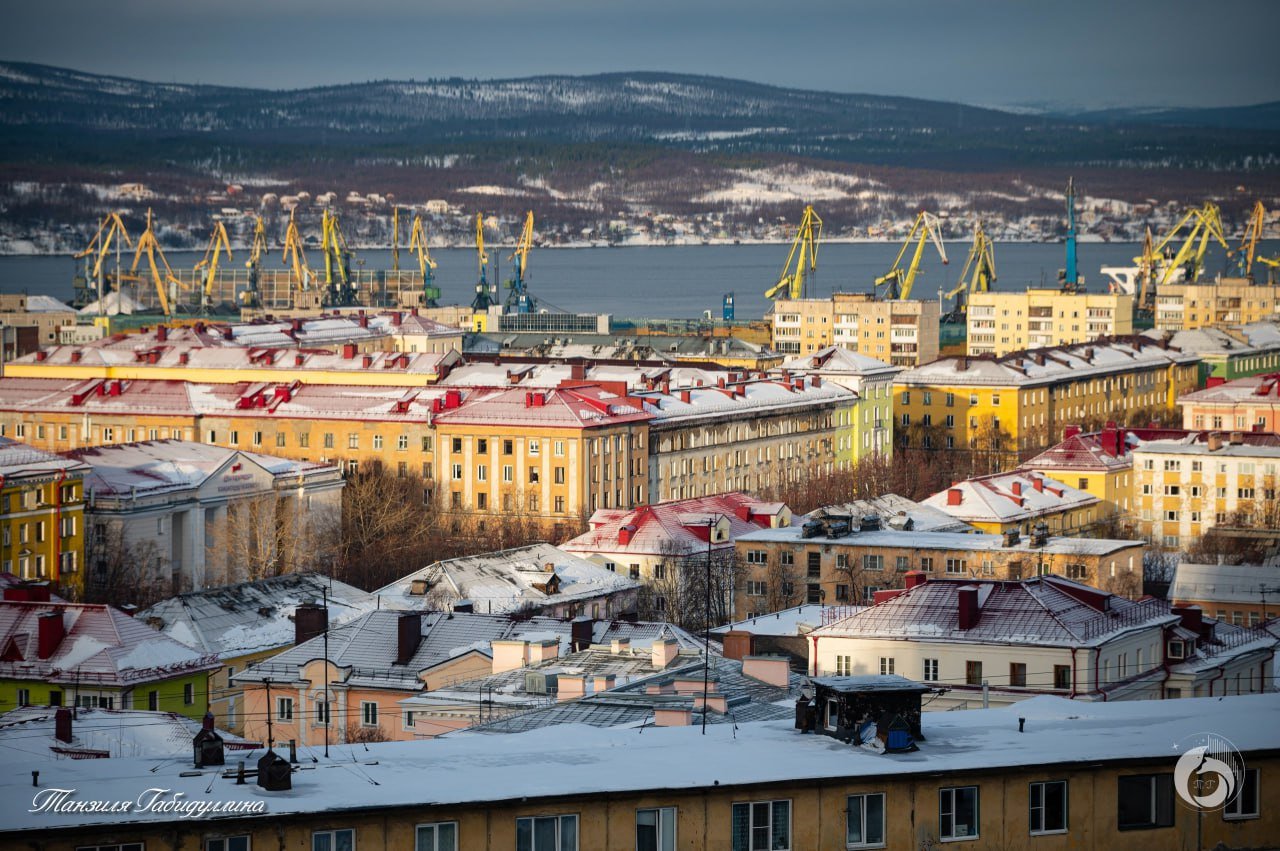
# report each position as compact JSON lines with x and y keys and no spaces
{"x":1177,"y":649}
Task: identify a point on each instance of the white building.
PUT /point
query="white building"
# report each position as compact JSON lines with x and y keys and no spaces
{"x":983,"y":642}
{"x":185,"y":506}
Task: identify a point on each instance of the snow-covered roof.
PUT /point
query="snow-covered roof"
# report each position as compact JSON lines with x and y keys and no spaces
{"x":106,"y":733}
{"x":1009,"y":498}
{"x":753,"y":397}
{"x":1044,"y":611}
{"x":576,"y":760}
{"x":837,"y":360}
{"x":1226,"y":583}
{"x":1250,"y":390}
{"x":797,"y":620}
{"x":161,"y":466}
{"x":677,"y":526}
{"x":924,"y":518}
{"x":1234,"y":341}
{"x":18,"y":460}
{"x":101,"y":645}
{"x":250,"y":617}
{"x":506,"y":581}
{"x":1250,"y":445}
{"x":578,"y":407}
{"x":1045,"y":366}
{"x":972,"y":542}
{"x":46,"y":304}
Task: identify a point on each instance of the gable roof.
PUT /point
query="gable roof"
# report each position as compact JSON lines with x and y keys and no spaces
{"x":250,"y":617}
{"x":676,"y":526}
{"x":578,"y":407}
{"x":1225,"y":583}
{"x":1009,"y":497}
{"x":18,"y":460}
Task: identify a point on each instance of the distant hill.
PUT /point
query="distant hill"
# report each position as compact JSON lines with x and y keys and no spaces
{"x":134,"y":119}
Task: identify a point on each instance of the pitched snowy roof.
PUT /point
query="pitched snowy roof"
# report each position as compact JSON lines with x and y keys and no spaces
{"x":105,"y":733}
{"x":837,"y":360}
{"x":18,"y":460}
{"x":160,"y":466}
{"x":751,"y":397}
{"x":1226,"y":583}
{"x":677,"y":526}
{"x":576,"y":760}
{"x":1009,"y":497}
{"x":506,"y":581}
{"x":1233,"y":341}
{"x":579,"y":407}
{"x":797,"y":620}
{"x":250,"y":617}
{"x":975,"y":542}
{"x":1250,"y":390}
{"x":924,"y":518}
{"x":101,"y":645}
{"x":1044,"y":611}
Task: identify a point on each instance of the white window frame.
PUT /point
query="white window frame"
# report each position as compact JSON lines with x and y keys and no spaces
{"x":366,"y":714}
{"x":433,"y":830}
{"x":284,"y":708}
{"x":560,"y":820}
{"x":768,"y":827}
{"x":1036,"y":807}
{"x":947,"y":810}
{"x":332,"y":837}
{"x":930,"y":668}
{"x":861,"y":800}
{"x":1235,"y":808}
{"x":662,"y":817}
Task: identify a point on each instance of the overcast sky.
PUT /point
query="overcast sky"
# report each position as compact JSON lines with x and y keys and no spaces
{"x":1088,"y":53}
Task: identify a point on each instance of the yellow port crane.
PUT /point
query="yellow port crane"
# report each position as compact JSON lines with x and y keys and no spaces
{"x":978,"y":275}
{"x":257,"y":250}
{"x":519,"y":299}
{"x":418,"y":247}
{"x":339,"y":291}
{"x":1190,"y":257}
{"x":484,"y":295}
{"x":395,"y":239}
{"x":218,"y":243}
{"x":1248,"y":249}
{"x":147,"y":243}
{"x":296,"y":256}
{"x":802,"y":262}
{"x":1147,"y":263}
{"x":898,"y":282}
{"x":111,"y":232}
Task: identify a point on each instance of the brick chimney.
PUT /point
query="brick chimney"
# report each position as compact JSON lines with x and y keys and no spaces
{"x":50,"y":632}
{"x":738,"y":644}
{"x":62,"y":725}
{"x":1037,"y":482}
{"x":408,"y":636}
{"x":1016,"y":486}
{"x":620,"y":646}
{"x":967,"y":606}
{"x":162,"y":333}
{"x":665,"y":651}
{"x":1070,"y":431}
{"x":603,"y":682}
{"x":1192,"y":617}
{"x":309,"y":620}
{"x":912,"y":578}
{"x":625,"y":534}
{"x":541,"y":651}
{"x":509,"y":654}
{"x":348,"y":351}
{"x":570,"y":686}
{"x":955,"y":496}
{"x":673,"y":716}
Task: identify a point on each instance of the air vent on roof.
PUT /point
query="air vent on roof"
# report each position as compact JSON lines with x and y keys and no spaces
{"x":537,"y":682}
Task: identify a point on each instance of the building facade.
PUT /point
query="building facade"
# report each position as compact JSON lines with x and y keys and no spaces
{"x":1004,"y":322}
{"x":42,"y":519}
{"x":902,"y":332}
{"x":870,"y":379}
{"x":1227,"y":301}
{"x":1245,"y":404}
{"x":1019,"y":501}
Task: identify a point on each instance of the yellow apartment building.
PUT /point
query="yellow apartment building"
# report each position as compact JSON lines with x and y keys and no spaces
{"x":1003,"y":322}
{"x":1021,"y":402}
{"x":1226,"y":301}
{"x":1098,"y":463}
{"x":42,"y":517}
{"x":1020,"y":500}
{"x":902,"y":333}
{"x":1185,"y":486}
{"x":1058,"y":783}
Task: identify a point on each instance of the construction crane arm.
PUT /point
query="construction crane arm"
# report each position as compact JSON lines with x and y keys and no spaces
{"x":418,"y":247}
{"x":802,"y":261}
{"x":296,"y":256}
{"x":523,"y":245}
{"x":482,"y":256}
{"x":218,"y":243}
{"x":148,"y":244}
{"x":899,"y":281}
{"x":979,"y":271}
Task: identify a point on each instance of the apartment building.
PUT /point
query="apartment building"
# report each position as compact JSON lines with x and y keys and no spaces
{"x":1022,"y":402}
{"x":44,"y":313}
{"x":747,"y":435}
{"x":999,"y":642}
{"x":1185,"y":486}
{"x":1226,"y":301}
{"x":1003,"y":322}
{"x":870,"y":379}
{"x":903,"y":332}
{"x":1066,"y":777}
{"x":42,"y":502}
{"x":848,"y":560}
{"x":1239,"y":594}
{"x":1231,"y":351}
{"x":1019,"y":501}
{"x":1245,"y":404}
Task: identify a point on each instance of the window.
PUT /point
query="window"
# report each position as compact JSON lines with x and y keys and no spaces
{"x":755,"y":589}
{"x":442,"y":836}
{"x":656,"y":829}
{"x":482,"y":446}
{"x":547,"y":833}
{"x":973,"y":673}
{"x":368,"y":713}
{"x":1018,"y":674}
{"x":123,"y":846}
{"x":757,"y":557}
{"x":956,"y":565}
{"x":402,"y":442}
{"x":558,"y":475}
{"x":535,"y":446}
{"x":322,"y":712}
{"x":227,"y":843}
{"x":24,"y":697}
{"x":377,"y":442}
{"x":886,"y":665}
{"x":153,"y":701}
{"x":864,"y":816}
{"x":456,"y":444}
{"x":188,"y":694}
{"x":284,"y":708}
{"x":1062,"y":677}
{"x":333,"y":840}
{"x":1245,"y":803}
{"x":844,"y":666}
{"x":1047,"y":807}
{"x":328,"y":440}
{"x":958,"y":812}
{"x":873,"y":562}
{"x":1144,"y":801}
{"x":931,"y":670}
{"x":762,"y":826}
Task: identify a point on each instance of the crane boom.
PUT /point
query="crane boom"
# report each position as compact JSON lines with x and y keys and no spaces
{"x":418,"y":247}
{"x":802,"y":261}
{"x":337,"y":263}
{"x":899,"y":282}
{"x":111,"y":229}
{"x":519,"y":299}
{"x":218,"y":243}
{"x":257,"y":250}
{"x":1248,"y":249}
{"x":484,"y":297}
{"x":295,"y":255}
{"x":1208,"y":225}
{"x":978,"y":274}
{"x":148,"y":244}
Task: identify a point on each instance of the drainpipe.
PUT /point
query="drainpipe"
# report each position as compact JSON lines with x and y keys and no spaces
{"x":813,"y":658}
{"x":1074,"y":671}
{"x":1222,"y":675}
{"x":57,"y":523}
{"x":1097,"y":683}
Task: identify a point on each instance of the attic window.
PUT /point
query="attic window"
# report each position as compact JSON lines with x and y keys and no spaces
{"x":11,"y":652}
{"x":1176,"y":650}
{"x":417,"y":587}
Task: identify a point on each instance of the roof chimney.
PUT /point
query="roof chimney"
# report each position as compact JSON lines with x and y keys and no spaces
{"x":51,"y":631}
{"x":408,"y":636}
{"x":1070,"y":432}
{"x":162,"y":333}
{"x":1215,"y":441}
{"x":510,"y":653}
{"x":912,"y":578}
{"x":664,"y":652}
{"x":309,"y":620}
{"x":348,"y":351}
{"x":967,"y":606}
{"x":620,"y":646}
{"x":771,"y":669}
{"x":1016,"y":486}
{"x":62,"y":725}
{"x":955,"y":496}
{"x":541,"y":651}
{"x":583,"y":633}
{"x":672,"y":716}
{"x":625,"y":534}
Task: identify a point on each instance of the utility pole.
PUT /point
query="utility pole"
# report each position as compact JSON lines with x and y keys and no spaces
{"x":328,"y":710}
{"x":706,"y":627}
{"x":270,"y":743}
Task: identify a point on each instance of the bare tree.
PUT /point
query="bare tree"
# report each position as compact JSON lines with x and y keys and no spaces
{"x":119,"y":572}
